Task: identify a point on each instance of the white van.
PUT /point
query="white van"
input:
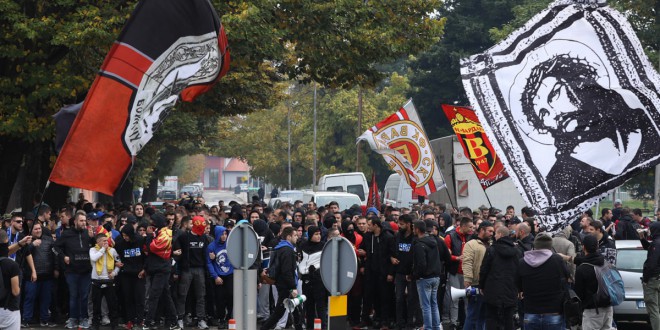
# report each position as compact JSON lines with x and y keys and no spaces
{"x":321,"y":198}
{"x":352,"y":182}
{"x":398,"y":193}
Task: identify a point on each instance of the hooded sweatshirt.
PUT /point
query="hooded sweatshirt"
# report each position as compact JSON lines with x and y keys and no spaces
{"x":586,"y":284}
{"x":541,"y":275}
{"x":220,"y":266}
{"x":288,"y":276}
{"x":311,"y":255}
{"x":498,"y":272}
{"x":651,"y":265}
{"x":131,"y":253}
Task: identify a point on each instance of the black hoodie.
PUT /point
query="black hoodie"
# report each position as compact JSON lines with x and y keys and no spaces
{"x":131,"y":253}
{"x":379,"y":250}
{"x":404,"y":252}
{"x":651,"y":265}
{"x":498,"y":273}
{"x":586,"y":283}
{"x":426,"y":258}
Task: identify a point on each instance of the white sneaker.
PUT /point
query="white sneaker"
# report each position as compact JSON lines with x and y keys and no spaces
{"x":84,"y":324}
{"x":180,"y":323}
{"x":105,"y":320}
{"x":202,"y":325}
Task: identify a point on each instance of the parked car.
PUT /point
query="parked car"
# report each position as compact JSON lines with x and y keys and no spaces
{"x":191,"y":190}
{"x":630,"y":262}
{"x":398,"y":193}
{"x":167,"y":196}
{"x":292,"y":195}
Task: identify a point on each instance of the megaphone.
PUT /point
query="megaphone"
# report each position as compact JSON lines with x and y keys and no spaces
{"x":291,"y":304}
{"x":462,"y":293}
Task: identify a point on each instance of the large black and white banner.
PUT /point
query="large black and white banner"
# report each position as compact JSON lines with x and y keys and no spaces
{"x":571,"y":103}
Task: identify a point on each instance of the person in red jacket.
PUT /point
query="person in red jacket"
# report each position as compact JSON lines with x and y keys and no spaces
{"x":455,"y":241}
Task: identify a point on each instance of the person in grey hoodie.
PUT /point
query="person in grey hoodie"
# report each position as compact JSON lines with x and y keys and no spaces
{"x":542,"y":280}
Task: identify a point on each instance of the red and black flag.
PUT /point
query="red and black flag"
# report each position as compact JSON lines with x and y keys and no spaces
{"x":374,"y":199}
{"x":168,"y":50}
{"x":476,"y":146}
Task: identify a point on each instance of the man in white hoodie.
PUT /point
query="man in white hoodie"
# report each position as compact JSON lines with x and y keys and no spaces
{"x":105,"y":267}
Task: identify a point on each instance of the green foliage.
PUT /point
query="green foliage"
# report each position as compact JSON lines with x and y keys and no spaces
{"x":435,"y":76}
{"x":261,"y":138}
{"x":188,"y":168}
{"x":642,"y":186}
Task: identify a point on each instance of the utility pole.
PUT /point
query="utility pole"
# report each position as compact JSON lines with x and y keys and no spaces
{"x":357,"y":146}
{"x":288,"y":125}
{"x":314,"y":169}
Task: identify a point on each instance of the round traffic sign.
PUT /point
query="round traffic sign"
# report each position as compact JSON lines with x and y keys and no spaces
{"x":242,"y":246}
{"x":338,"y":266}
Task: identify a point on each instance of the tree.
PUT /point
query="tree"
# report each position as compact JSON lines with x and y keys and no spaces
{"x":261,"y":138}
{"x":51,"y":51}
{"x":435,"y":77}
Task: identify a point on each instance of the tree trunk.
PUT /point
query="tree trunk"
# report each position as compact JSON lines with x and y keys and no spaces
{"x":124,"y":194}
{"x":37,"y":170}
{"x":150,"y":192}
{"x":11,"y":153}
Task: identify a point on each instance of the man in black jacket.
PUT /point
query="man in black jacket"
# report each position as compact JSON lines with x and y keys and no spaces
{"x":426,"y":270}
{"x":626,"y":228}
{"x":379,"y":244}
{"x":651,"y":275}
{"x":287,"y":278}
{"x":73,"y":246}
{"x":407,"y":305}
{"x":497,"y":281}
{"x":596,"y":314}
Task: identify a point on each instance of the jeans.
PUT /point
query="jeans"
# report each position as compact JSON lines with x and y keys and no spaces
{"x":407,"y":302}
{"x":43,"y":289}
{"x":195,"y":278}
{"x":224,"y":298}
{"x":652,"y":300}
{"x":427,"y":289}
{"x":543,"y":322}
{"x":597,"y":319}
{"x":476,"y":313}
{"x":78,"y":294}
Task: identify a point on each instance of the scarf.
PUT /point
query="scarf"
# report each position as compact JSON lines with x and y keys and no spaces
{"x":110,"y":261}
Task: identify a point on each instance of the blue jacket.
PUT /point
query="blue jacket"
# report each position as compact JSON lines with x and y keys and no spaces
{"x":221,"y":265}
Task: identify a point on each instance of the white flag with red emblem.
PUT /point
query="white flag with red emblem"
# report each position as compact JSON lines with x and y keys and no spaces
{"x":402,"y":141}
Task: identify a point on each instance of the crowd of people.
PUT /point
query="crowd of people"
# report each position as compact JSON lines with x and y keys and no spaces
{"x":169,"y":268}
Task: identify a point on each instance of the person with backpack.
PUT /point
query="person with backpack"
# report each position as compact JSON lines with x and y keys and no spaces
{"x":651,"y":275}
{"x":626,"y":227}
{"x":10,"y":290}
{"x":598,"y":310}
{"x":282,"y":269}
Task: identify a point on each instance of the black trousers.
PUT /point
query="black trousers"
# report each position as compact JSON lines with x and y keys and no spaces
{"x":160,"y":291}
{"x":279,"y":312}
{"x":499,"y":318}
{"x":100,"y":289}
{"x":316,"y":305}
{"x":224,"y":298}
{"x":378,"y":294}
{"x":133,"y":292}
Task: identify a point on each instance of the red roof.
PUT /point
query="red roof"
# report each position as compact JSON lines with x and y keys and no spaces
{"x":236,"y":165}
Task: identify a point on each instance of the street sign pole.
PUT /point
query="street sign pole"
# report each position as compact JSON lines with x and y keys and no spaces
{"x":242,"y":250}
{"x":338,"y":271}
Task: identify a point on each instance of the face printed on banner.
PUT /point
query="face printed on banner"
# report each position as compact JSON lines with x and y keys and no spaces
{"x":570,"y":106}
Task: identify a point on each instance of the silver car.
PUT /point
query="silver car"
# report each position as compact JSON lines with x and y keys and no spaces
{"x":630,"y":262}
